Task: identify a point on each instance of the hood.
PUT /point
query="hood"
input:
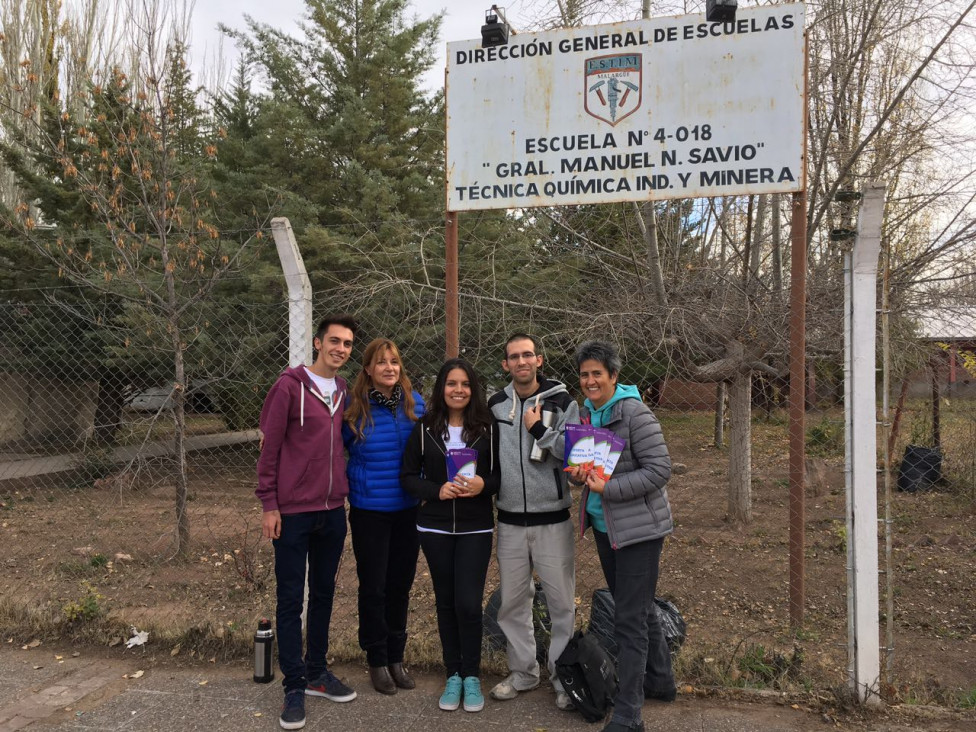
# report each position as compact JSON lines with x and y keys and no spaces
{"x":546,"y":389}
{"x":299,"y":374}
{"x":624,"y":391}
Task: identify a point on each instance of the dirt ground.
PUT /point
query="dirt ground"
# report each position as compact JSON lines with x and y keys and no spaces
{"x":99,"y":562}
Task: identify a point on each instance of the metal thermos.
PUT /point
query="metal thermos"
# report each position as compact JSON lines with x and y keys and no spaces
{"x":538,"y":454}
{"x":263,"y":646}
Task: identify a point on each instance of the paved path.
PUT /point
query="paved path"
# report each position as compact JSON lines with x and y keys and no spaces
{"x":61,"y":688}
{"x":34,"y":466}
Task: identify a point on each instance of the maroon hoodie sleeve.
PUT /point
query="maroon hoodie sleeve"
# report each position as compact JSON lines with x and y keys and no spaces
{"x":273,"y":423}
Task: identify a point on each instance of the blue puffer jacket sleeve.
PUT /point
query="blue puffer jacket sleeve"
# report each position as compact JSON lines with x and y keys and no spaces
{"x":374,"y":460}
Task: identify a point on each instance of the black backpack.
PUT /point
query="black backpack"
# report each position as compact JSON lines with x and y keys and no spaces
{"x":588,"y":676}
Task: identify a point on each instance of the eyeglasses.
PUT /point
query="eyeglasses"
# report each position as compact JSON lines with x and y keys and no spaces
{"x":527,"y":356}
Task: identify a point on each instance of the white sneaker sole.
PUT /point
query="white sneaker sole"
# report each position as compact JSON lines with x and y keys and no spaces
{"x":331,"y":697}
{"x":509,"y":692}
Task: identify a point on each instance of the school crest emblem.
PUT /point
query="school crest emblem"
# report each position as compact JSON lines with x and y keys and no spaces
{"x":613,"y":87}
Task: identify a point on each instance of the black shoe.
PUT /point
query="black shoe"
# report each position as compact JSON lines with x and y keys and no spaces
{"x":330,"y":687}
{"x":620,"y":727}
{"x":293,"y":712}
{"x":400,"y":676}
{"x":661,"y":696}
{"x":381,"y":679}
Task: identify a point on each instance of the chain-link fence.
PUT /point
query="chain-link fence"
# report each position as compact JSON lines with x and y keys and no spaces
{"x":92,"y":491}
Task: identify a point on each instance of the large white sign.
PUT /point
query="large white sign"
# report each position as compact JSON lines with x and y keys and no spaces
{"x":643,"y":110}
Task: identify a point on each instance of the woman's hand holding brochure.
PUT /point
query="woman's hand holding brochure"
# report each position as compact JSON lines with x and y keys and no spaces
{"x":591,"y":455}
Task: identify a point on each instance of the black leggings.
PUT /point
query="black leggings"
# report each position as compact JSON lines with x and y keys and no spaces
{"x":458,"y":568}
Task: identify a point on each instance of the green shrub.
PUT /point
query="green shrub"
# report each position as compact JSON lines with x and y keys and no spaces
{"x":94,"y":464}
{"x":240,"y":404}
{"x":86,"y":607}
{"x":826,"y":438}
{"x":764,"y":667}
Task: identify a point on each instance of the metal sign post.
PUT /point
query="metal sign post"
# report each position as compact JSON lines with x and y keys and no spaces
{"x":643,"y":110}
{"x":451,"y":299}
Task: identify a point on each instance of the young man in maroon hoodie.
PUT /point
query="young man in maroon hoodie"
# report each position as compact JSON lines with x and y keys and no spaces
{"x":302,"y":488}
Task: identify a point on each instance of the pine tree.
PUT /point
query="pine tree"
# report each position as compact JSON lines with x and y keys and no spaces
{"x":132,"y":220}
{"x":357,"y":136}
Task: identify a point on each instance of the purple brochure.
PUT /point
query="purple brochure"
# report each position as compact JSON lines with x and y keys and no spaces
{"x":617,"y":445}
{"x":579,"y":445}
{"x":601,"y":448}
{"x":461,"y":461}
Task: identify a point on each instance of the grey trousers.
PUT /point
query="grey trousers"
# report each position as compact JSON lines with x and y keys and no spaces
{"x":548,"y":549}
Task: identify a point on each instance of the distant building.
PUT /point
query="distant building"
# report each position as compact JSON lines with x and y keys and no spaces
{"x":952,"y":332}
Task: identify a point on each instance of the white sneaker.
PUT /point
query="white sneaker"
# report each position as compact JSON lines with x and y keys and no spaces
{"x":506,"y":688}
{"x":563,"y":701}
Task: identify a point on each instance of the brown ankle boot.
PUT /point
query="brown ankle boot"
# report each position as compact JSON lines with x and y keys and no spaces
{"x":400,"y":676}
{"x":382,"y":681}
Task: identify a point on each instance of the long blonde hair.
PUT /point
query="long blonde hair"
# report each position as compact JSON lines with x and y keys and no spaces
{"x":358,"y":414}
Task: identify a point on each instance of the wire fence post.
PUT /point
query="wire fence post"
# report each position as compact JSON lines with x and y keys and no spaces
{"x":797,"y":407}
{"x":860,"y":411}
{"x":299,"y":293}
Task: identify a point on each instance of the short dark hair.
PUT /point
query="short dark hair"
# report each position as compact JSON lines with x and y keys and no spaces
{"x":522,"y":337}
{"x":343,"y":319}
{"x":602,"y":351}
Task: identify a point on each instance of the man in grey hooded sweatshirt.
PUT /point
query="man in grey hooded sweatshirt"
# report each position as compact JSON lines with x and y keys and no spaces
{"x":534,"y":527}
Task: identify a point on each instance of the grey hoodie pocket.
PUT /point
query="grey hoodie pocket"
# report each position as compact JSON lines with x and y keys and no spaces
{"x":558,"y":476}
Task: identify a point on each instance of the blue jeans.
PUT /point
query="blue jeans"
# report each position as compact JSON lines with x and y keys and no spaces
{"x":316,"y":537}
{"x":643,"y":658}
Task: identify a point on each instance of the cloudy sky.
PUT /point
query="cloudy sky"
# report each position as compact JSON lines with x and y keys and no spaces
{"x":462,"y":21}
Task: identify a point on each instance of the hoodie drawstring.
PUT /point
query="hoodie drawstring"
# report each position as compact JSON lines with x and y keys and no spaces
{"x":511,"y":414}
{"x":301,"y":414}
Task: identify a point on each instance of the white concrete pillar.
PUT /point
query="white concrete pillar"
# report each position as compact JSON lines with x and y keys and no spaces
{"x":860,"y":406}
{"x":300,"y":326}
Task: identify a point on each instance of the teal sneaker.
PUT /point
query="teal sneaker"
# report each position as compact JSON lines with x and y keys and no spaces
{"x":473,"y":700}
{"x":451,"y":698}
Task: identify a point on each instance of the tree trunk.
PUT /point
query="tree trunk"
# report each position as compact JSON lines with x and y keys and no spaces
{"x":179,"y":444}
{"x":810,"y":398}
{"x":777,"y":249}
{"x":108,"y":408}
{"x":720,"y":414}
{"x":755,"y":252}
{"x":172,"y":315}
{"x":647,"y":222}
{"x":936,"y":407}
{"x":896,"y":422}
{"x":740,"y":449}
{"x":648,"y":226}
{"x":747,"y":250}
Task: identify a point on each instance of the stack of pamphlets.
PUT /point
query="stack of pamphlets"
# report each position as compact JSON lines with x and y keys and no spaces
{"x":594,"y":449}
